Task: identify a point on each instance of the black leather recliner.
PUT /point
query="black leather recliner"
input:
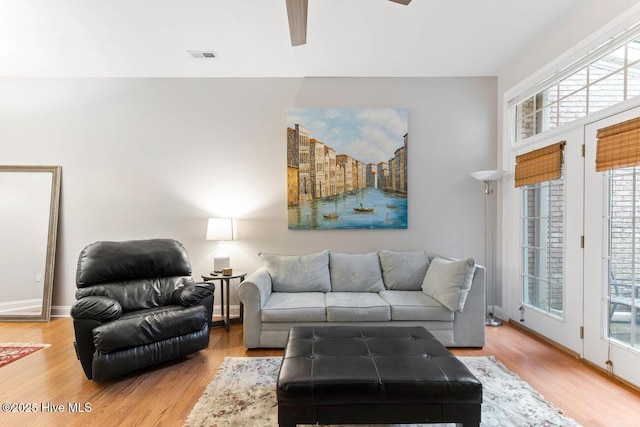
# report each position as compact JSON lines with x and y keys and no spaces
{"x":137,"y":306}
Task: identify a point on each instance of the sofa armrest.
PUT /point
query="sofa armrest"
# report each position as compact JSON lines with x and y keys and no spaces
{"x":254,"y":292}
{"x":469,"y":325}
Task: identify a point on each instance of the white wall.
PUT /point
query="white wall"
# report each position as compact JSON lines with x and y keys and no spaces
{"x":145,"y":158}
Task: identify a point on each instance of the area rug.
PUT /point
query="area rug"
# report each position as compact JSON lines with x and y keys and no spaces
{"x":243,"y":393}
{"x":10,"y":352}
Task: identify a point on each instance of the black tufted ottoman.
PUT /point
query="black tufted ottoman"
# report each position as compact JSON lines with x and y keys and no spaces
{"x":356,"y":375}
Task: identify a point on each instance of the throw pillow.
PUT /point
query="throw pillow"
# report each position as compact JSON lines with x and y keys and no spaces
{"x":403,"y":271}
{"x":298,"y":273}
{"x":449,"y":281}
{"x":355,"y":272}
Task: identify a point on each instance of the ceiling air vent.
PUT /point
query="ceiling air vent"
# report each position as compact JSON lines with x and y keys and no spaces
{"x":202,"y":54}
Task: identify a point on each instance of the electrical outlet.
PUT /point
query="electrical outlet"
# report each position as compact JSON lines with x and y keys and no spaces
{"x":39,"y":277}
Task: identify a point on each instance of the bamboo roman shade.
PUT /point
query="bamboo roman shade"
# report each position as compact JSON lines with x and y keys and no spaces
{"x":544,"y":164}
{"x":618,"y":146}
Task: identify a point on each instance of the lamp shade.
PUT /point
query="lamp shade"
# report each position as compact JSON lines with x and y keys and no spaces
{"x":488,"y":175}
{"x":221,"y":229}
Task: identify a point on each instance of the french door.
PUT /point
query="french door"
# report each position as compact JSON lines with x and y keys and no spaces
{"x":611,"y":261}
{"x":549,"y":228}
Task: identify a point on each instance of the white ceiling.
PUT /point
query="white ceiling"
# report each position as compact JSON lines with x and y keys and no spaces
{"x":142,"y":38}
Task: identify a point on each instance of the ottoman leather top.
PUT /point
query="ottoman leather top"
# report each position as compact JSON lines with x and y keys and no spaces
{"x":329,"y":365}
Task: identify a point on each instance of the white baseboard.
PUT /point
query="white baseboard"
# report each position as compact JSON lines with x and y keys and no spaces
{"x":234,"y":310}
{"x":61,"y":311}
{"x":498,"y":311}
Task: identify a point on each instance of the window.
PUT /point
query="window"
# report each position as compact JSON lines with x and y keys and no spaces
{"x":618,"y":155}
{"x":623,"y":229}
{"x":539,"y":175}
{"x":609,"y":75}
{"x":543,"y":246}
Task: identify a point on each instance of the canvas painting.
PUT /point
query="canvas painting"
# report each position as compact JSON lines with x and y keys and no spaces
{"x":347,"y":168}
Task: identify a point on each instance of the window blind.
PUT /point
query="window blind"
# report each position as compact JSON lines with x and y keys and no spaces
{"x":544,"y":164}
{"x":618,"y":146}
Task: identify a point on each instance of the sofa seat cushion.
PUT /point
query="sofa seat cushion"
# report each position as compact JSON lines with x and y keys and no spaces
{"x":415,"y":305}
{"x":356,"y":307}
{"x":295,"y":307}
{"x":149,"y":326}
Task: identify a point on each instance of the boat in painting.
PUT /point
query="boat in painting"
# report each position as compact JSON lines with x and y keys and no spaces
{"x":362,"y":209}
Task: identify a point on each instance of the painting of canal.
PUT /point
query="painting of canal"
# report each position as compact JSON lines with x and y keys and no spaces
{"x":347,"y":168}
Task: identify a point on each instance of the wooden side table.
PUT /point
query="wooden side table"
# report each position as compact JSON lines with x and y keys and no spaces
{"x":224,"y":288}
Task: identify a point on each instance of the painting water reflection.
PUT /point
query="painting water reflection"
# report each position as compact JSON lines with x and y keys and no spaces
{"x":364,"y":208}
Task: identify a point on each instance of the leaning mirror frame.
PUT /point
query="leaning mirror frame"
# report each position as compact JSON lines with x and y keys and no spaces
{"x":45,"y":313}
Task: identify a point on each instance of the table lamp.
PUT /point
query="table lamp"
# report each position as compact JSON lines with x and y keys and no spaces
{"x":221,"y":229}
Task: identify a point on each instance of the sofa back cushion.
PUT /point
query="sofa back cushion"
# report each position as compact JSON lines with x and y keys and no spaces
{"x":355,"y":272}
{"x":403,"y":271}
{"x":111,"y":262}
{"x":448,"y":281}
{"x":139,"y":274}
{"x":298,"y":273}
{"x":138,"y":294}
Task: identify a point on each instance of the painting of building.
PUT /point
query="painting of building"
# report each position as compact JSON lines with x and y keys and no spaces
{"x":347,"y":168}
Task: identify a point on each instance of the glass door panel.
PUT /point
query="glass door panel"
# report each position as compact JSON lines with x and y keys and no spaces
{"x":611,"y":261}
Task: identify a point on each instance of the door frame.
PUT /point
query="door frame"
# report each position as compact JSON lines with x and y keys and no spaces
{"x":598,"y":349}
{"x":564,"y":331}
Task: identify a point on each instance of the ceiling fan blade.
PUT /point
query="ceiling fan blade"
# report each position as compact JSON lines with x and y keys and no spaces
{"x":297,"y":13}
{"x":404,"y":2}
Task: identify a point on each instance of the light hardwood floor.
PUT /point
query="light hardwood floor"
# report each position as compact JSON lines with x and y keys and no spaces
{"x":164,"y":396}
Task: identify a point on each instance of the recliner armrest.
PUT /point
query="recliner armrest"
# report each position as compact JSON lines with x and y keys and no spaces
{"x":102,"y":309}
{"x":192,"y":294}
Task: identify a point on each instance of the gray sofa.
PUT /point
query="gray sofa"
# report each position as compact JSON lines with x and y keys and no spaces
{"x":444,"y":295}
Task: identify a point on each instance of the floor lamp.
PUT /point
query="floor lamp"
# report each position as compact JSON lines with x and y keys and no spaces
{"x":489,"y":177}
